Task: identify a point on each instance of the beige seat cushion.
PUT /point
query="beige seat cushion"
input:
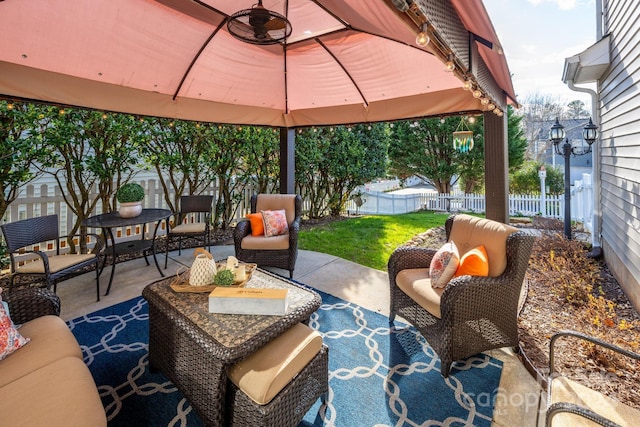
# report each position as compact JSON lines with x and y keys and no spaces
{"x":566,"y":390}
{"x":61,"y":394}
{"x":190,"y":227}
{"x":262,"y":375}
{"x":469,"y":232}
{"x":56,"y":263}
{"x":415,"y":282}
{"x":51,"y":340}
{"x":273,"y":202}
{"x":265,"y":243}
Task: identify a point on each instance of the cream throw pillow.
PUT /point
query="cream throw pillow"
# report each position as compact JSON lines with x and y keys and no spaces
{"x":444,"y":265}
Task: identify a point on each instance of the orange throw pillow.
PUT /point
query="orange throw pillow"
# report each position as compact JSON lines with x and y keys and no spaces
{"x":257,"y":226}
{"x":474,"y":263}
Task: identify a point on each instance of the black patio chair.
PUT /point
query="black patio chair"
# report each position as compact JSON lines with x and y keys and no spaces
{"x":48,"y":262}
{"x":192,"y":220}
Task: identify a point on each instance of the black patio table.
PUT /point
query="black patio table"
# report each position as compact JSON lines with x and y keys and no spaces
{"x":108,"y":221}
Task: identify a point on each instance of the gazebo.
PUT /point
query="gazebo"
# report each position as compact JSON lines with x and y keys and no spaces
{"x":278,"y":63}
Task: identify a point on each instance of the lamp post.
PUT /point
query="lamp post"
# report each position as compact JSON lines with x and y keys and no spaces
{"x":556,"y":135}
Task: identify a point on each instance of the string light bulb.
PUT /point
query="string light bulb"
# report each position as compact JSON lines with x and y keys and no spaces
{"x":484,"y":101}
{"x":423,"y":39}
{"x":450,"y":65}
{"x":10,"y":106}
{"x":477,"y":93}
{"x":467,"y":85}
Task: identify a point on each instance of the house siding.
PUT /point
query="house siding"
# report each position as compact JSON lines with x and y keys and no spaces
{"x":619,"y":103}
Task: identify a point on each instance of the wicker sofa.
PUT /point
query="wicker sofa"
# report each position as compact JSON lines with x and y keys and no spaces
{"x":45,"y":382}
{"x":472,"y":313}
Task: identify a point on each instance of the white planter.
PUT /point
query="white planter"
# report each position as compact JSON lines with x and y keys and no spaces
{"x":130,"y":209}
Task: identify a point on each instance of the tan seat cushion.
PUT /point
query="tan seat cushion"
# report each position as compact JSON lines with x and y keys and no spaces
{"x":265,"y":243}
{"x":61,"y":394}
{"x":415,"y":282}
{"x":262,"y":375}
{"x":51,"y":340}
{"x":274,"y":202}
{"x":56,"y":263}
{"x":190,"y":227}
{"x":469,"y":232}
{"x":566,"y":390}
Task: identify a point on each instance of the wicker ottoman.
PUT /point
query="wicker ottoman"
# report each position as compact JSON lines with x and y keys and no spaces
{"x":277,"y":385}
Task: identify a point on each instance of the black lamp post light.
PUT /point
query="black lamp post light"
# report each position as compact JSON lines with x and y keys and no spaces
{"x":556,"y":135}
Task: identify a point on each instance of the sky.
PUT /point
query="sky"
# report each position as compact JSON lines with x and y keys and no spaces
{"x":537,"y":36}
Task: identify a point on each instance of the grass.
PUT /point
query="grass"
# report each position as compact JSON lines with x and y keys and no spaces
{"x":368,"y":240}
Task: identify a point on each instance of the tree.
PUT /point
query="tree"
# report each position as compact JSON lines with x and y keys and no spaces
{"x":526,"y":180}
{"x":577,"y":110}
{"x":21,"y":148}
{"x":176,"y":149}
{"x":517,"y":142}
{"x":261,"y":162}
{"x":89,"y":148}
{"x":228,"y":148}
{"x":424,"y":148}
{"x":332,"y":161}
{"x":538,"y":109}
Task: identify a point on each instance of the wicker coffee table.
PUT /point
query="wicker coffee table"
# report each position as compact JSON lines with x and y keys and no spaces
{"x":194,"y":347}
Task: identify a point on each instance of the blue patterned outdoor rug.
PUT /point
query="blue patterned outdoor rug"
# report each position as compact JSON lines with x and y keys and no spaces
{"x":377,"y":376}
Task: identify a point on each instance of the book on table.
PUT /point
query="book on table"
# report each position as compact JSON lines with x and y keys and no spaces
{"x":265,"y":301}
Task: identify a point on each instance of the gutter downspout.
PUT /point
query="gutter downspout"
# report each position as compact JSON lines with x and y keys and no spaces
{"x":596,"y":234}
{"x":595,"y":161}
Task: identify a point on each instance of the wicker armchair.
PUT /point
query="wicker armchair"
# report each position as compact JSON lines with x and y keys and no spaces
{"x":29,"y":303}
{"x":50,"y":265}
{"x":197,"y":212}
{"x":571,"y":404}
{"x":472,"y":314}
{"x":276,"y":251}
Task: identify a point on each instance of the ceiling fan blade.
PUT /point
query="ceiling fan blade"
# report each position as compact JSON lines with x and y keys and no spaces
{"x":275,"y":24}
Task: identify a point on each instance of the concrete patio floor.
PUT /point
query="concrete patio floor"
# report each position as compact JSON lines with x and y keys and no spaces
{"x":517,"y":401}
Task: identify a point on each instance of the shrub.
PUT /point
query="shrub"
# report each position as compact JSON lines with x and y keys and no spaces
{"x":563,"y":266}
{"x":130,"y":192}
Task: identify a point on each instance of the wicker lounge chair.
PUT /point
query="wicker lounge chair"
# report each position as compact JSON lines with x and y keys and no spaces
{"x":197,"y":211}
{"x":573,"y":404}
{"x":26,"y":304}
{"x":49,"y":264}
{"x":276,"y":251}
{"x":472,"y":314}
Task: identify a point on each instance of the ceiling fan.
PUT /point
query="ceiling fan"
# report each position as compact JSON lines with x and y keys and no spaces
{"x":259,"y":25}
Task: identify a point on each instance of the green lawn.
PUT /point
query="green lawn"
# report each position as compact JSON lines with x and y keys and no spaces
{"x":368,"y":240}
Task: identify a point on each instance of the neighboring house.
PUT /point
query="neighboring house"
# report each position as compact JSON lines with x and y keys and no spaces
{"x":614,"y":64}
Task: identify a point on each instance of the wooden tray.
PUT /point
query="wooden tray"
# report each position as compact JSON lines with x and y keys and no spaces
{"x":181,"y":282}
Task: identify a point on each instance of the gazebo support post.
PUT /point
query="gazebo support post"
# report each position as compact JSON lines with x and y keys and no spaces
{"x":496,"y":162}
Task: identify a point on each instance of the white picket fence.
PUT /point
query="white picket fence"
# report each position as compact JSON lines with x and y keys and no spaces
{"x":551,"y":206}
{"x":45,"y":198}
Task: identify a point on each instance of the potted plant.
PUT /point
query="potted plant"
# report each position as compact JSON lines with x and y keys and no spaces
{"x":130,"y":197}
